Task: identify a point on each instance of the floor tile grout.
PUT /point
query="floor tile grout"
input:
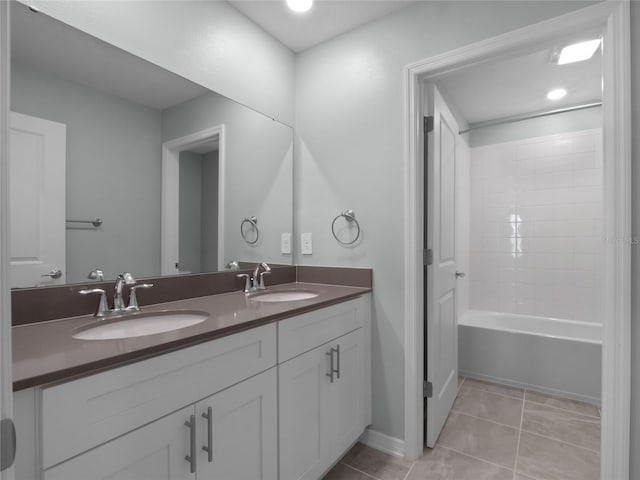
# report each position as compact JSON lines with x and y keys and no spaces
{"x":476,"y":458}
{"x":410,"y":470}
{"x":496,"y":393}
{"x":515,"y":465}
{"x":359,"y":471}
{"x":564,"y":409}
{"x":561,"y":441}
{"x":460,"y":412}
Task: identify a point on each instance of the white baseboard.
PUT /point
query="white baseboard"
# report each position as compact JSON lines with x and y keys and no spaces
{"x":382,"y":442}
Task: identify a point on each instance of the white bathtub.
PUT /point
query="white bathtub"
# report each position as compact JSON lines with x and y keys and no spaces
{"x":560,"y":357}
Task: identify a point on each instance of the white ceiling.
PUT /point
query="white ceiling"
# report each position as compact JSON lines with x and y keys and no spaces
{"x":325,"y":20}
{"x":38,"y":41}
{"x":518,"y":85}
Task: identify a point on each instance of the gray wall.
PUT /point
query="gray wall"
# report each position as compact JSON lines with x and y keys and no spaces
{"x":209,"y":220}
{"x":349,"y":120}
{"x":190,"y":207}
{"x":113,"y":172}
{"x":257,"y":171}
{"x":209,"y":42}
{"x":538,"y":127}
{"x":635,"y":267}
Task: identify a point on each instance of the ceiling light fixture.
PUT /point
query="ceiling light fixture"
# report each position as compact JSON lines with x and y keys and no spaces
{"x":576,"y":52}
{"x":556,"y":94}
{"x":300,"y":5}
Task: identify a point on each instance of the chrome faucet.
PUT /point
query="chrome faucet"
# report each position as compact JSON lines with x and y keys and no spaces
{"x":123,"y":278}
{"x":103,"y":309}
{"x":258,"y":278}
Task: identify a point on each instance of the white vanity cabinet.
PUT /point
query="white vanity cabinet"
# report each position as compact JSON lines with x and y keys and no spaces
{"x":280,"y":401}
{"x":243,"y":442}
{"x":324,"y":393}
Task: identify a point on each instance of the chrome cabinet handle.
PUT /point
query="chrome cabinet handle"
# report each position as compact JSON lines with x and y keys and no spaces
{"x":460,"y":274}
{"x":209,"y":446}
{"x":191,"y":458}
{"x":55,"y":273}
{"x":331,"y":369}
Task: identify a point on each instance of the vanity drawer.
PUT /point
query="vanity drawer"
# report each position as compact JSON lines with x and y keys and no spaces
{"x":84,"y":413}
{"x":305,"y":332}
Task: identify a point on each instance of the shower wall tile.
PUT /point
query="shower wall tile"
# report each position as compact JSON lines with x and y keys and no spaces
{"x":536,"y":226}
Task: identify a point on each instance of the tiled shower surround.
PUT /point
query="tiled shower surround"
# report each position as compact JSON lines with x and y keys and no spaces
{"x":536,"y":226}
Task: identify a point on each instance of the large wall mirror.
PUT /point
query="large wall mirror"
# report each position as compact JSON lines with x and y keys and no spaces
{"x":119,"y":165}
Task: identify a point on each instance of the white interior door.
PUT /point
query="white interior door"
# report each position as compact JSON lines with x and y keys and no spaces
{"x":440,"y":280}
{"x":37,"y":201}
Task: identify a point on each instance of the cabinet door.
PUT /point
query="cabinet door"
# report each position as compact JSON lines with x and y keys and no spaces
{"x":303,"y":390}
{"x":154,"y":452}
{"x":345,"y":415}
{"x":244,"y":431}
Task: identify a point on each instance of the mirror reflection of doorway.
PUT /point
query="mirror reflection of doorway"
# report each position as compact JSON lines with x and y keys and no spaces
{"x":198,"y":207}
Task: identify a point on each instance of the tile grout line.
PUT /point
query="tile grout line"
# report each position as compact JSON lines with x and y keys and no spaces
{"x":359,"y":471}
{"x":565,"y":410}
{"x":475,"y":458}
{"x":460,"y":412}
{"x":515,"y":464}
{"x":495,"y":393}
{"x":413,"y":464}
{"x":546,"y":437}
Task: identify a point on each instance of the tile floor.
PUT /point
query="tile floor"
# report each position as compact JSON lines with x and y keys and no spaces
{"x":495,"y":433}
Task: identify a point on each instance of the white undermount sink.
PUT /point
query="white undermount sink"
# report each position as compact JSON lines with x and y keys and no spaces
{"x":141,"y":324}
{"x":284,"y":296}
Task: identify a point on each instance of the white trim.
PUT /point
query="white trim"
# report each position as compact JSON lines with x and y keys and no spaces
{"x":6,"y":389}
{"x":169,"y":246}
{"x":616,"y":345}
{"x":613,"y":17}
{"x":384,"y":443}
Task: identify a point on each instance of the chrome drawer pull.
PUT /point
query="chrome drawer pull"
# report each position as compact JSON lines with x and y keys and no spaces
{"x":191,"y":458}
{"x":209,"y":446}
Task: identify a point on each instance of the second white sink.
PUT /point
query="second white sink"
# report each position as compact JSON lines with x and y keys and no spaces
{"x":142,"y":324}
{"x":290,"y":296}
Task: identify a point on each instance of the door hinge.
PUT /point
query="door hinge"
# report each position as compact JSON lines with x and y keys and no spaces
{"x":7,"y":443}
{"x":428,"y":124}
{"x":427,"y":389}
{"x":427,"y":256}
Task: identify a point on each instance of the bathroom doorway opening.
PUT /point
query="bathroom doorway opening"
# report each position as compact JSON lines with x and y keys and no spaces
{"x":613,"y":19}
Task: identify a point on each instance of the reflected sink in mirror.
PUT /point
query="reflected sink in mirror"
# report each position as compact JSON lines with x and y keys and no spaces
{"x":284,"y":296}
{"x":142,"y":324}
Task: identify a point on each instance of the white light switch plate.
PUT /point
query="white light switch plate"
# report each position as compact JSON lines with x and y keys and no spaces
{"x":285,"y":243}
{"x":307,"y":244}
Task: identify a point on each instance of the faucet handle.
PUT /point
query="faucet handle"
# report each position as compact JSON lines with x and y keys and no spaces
{"x":261,"y":284}
{"x":102,"y":306}
{"x":247,"y":281}
{"x":133,"y":299}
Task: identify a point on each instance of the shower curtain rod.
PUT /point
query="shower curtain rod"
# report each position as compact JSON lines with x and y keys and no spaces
{"x":520,"y":118}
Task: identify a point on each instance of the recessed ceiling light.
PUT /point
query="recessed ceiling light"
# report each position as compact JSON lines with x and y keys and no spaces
{"x":556,"y":94}
{"x":576,"y":52}
{"x":299,"y":5}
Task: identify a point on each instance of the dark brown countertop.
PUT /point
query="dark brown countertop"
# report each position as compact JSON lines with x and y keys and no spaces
{"x":45,"y":352}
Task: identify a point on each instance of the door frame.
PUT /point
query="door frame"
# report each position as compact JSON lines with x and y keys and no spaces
{"x":170,"y":225}
{"x":6,"y":379}
{"x":614,"y":19}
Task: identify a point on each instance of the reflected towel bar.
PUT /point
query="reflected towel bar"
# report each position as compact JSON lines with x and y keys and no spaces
{"x":96,"y":223}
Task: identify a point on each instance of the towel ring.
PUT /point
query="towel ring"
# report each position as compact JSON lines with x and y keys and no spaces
{"x":253,"y":221}
{"x":349,"y":216}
